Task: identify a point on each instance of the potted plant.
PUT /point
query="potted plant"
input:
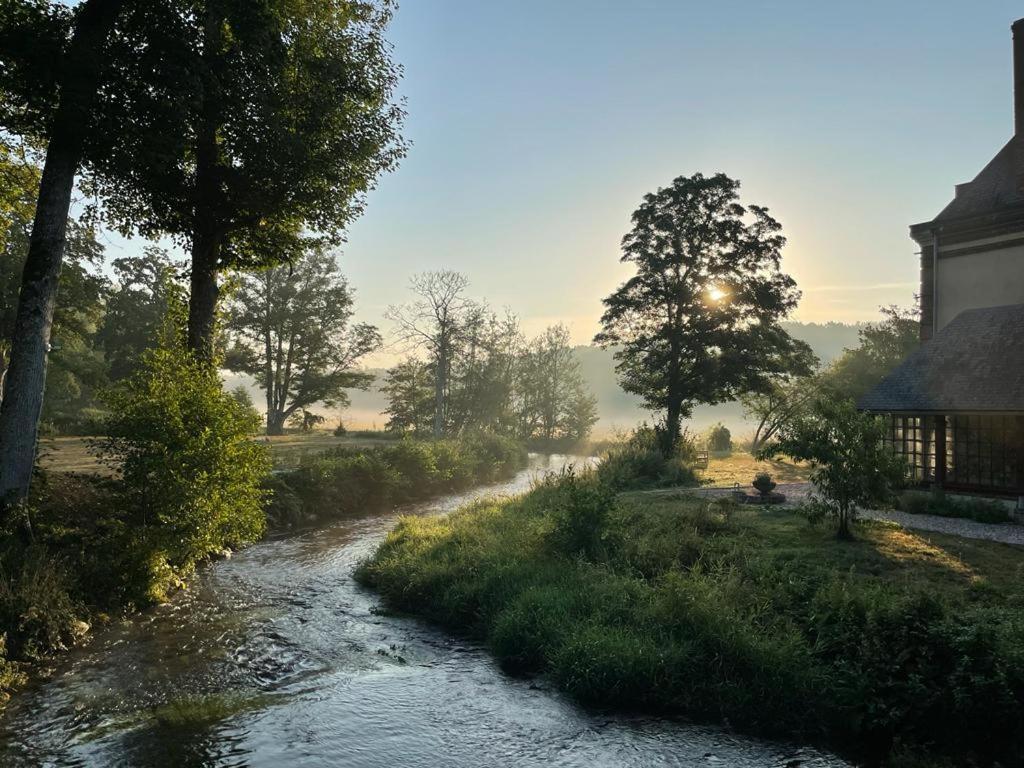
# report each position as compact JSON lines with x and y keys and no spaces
{"x":763,"y":483}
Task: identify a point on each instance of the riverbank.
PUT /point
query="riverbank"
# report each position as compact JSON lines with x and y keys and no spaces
{"x":276,"y":657}
{"x":86,"y":560}
{"x":901,"y":648}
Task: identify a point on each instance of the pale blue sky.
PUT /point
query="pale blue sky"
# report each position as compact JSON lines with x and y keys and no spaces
{"x":538,"y":126}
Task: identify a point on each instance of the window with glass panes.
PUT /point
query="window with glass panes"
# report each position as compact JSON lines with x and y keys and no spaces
{"x":985,"y":452}
{"x":913,"y":438}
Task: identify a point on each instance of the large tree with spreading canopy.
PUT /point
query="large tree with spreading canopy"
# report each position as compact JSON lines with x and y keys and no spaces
{"x":699,"y":322}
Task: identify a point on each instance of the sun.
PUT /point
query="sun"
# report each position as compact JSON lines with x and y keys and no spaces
{"x":716,"y":294}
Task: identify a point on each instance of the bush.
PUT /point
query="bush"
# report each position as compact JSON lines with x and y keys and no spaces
{"x":188,"y":467}
{"x":346,"y":481}
{"x":638,"y":463}
{"x":583,"y":505}
{"x":718,"y":439}
{"x":938,"y":503}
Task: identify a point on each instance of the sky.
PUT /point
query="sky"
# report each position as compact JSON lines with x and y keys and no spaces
{"x":537,"y":127}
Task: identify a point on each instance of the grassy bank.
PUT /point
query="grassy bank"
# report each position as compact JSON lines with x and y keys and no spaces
{"x":896,"y":648}
{"x":346,"y":481}
{"x":93,"y":552}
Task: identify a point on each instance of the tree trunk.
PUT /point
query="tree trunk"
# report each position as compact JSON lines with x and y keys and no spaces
{"x":26,"y":375}
{"x":440,"y":385}
{"x":207,"y":234}
{"x":275,"y":423}
{"x":203,"y":296}
{"x":670,"y":439}
{"x":845,"y":533}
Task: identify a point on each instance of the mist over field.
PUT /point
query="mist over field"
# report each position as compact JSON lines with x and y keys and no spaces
{"x":618,"y":410}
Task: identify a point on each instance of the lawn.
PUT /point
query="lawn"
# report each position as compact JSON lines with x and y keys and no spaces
{"x":740,"y":467}
{"x":71,"y":454}
{"x":900,"y":648}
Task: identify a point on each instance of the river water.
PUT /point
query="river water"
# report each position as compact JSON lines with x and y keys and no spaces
{"x":277,"y":657}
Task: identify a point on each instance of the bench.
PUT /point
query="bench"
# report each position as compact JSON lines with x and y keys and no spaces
{"x":702,"y":460}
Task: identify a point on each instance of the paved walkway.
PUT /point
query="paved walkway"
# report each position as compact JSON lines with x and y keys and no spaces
{"x":795,"y":493}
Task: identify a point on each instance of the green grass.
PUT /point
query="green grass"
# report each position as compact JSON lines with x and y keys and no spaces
{"x":898,"y":646}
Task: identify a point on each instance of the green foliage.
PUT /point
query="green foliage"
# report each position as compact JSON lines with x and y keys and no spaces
{"x":718,"y":438}
{"x":883,"y":346}
{"x":938,"y":503}
{"x":850,"y":464}
{"x":291,"y":329}
{"x":882,"y":648}
{"x":640,"y":462}
{"x":183,"y":451}
{"x":583,"y":505}
{"x":699,"y":322}
{"x":346,"y":481}
{"x":136,"y":308}
{"x":76,"y":368}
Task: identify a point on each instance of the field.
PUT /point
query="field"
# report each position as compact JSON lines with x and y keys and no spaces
{"x":740,"y":467}
{"x":71,"y":454}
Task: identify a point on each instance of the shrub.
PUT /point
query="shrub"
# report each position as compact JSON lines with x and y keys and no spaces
{"x":346,"y":481}
{"x":639,"y":463}
{"x":183,"y":451}
{"x":718,"y":439}
{"x":938,"y":503}
{"x":38,"y":614}
{"x":583,"y":505}
{"x":850,"y":464}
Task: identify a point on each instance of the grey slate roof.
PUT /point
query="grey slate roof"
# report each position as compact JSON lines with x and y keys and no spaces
{"x":997,"y":186}
{"x":976,"y":363}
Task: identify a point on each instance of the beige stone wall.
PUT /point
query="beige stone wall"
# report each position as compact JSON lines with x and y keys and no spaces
{"x":991,"y":278}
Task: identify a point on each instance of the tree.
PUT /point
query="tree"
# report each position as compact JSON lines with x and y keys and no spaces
{"x":76,"y":369}
{"x":776,"y":406}
{"x":883,"y":346}
{"x":435,"y":322}
{"x":136,"y":308}
{"x":56,"y":109}
{"x":553,"y":401}
{"x":481,"y":379}
{"x":291,"y":329}
{"x":240,"y":129}
{"x":851,"y":466}
{"x":699,"y":321}
{"x":409,"y":388}
{"x":580,"y":414}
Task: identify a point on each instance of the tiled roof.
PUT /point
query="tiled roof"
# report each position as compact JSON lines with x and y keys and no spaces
{"x":997,"y":186}
{"x":976,"y":363}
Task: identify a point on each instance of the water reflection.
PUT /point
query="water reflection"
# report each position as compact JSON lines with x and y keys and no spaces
{"x":277,"y":657}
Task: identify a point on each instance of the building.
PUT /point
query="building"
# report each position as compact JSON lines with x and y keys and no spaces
{"x":956,"y":405}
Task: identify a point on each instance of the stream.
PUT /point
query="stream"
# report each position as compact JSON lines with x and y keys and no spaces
{"x":276,"y":657}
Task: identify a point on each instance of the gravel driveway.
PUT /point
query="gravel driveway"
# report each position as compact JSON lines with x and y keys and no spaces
{"x":795,"y":493}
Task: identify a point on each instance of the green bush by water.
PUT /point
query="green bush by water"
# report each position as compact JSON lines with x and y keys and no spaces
{"x":639,"y":463}
{"x":891,"y":648}
{"x":346,"y":481}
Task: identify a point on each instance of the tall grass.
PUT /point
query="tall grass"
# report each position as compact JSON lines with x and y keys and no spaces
{"x":890,"y":648}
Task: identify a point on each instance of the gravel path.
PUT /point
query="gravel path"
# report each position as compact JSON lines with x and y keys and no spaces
{"x":795,"y":493}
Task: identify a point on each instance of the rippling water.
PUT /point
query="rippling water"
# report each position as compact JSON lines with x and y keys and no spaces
{"x":278,"y":658}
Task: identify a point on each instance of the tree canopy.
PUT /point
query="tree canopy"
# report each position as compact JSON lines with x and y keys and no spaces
{"x":291,"y":328}
{"x":699,"y":322}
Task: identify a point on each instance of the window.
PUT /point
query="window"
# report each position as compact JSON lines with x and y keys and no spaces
{"x":985,"y":451}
